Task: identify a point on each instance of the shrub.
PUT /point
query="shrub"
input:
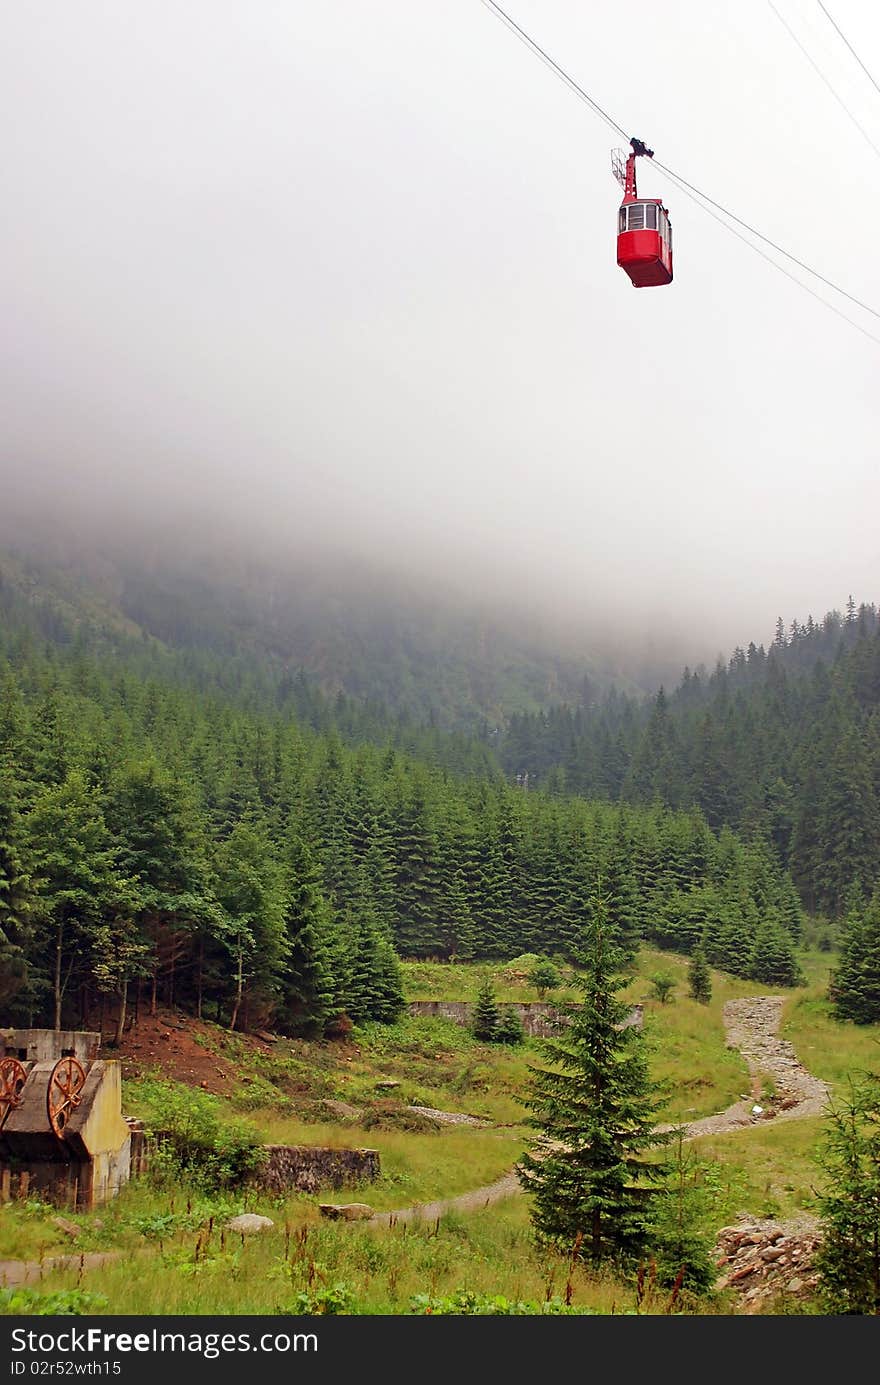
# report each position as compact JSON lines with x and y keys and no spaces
{"x":194,"y":1137}
{"x":61,"y":1303}
{"x":663,"y":985}
{"x":543,"y":976}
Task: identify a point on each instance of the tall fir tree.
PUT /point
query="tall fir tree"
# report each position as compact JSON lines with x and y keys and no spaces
{"x":595,"y":1108}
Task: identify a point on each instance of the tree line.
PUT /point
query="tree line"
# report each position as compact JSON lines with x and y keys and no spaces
{"x":782,"y":745}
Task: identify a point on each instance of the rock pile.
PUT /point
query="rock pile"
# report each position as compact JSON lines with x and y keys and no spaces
{"x":765,"y":1260}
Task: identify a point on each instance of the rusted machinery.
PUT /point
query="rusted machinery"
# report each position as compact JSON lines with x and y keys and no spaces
{"x":13,"y":1075}
{"x":66,"y":1082}
{"x":61,"y":1128}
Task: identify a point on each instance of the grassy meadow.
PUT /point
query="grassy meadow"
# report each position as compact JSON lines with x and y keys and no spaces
{"x":357,"y":1093}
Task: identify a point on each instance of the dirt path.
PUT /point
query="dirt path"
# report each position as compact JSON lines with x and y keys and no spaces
{"x":474,"y":1201}
{"x":752,"y":1026}
{"x":14,"y":1273}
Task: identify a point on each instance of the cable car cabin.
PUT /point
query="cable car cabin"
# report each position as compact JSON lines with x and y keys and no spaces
{"x":644,"y":242}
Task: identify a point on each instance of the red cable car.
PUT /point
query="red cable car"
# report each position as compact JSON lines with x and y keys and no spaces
{"x":644,"y":231}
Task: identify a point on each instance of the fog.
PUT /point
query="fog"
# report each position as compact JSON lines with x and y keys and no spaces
{"x":324,"y":281}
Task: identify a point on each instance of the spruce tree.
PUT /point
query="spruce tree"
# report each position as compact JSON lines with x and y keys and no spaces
{"x":15,"y":893}
{"x":773,"y":960}
{"x":855,"y":987}
{"x":849,"y":1155}
{"x":699,"y":977}
{"x":486,"y":1015}
{"x":308,"y":982}
{"x":595,"y":1109}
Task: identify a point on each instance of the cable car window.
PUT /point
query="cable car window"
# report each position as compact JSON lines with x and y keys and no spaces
{"x":621,"y":219}
{"x":636,"y":216}
{"x":651,"y":218}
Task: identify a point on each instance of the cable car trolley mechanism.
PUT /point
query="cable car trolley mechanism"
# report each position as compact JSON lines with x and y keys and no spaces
{"x":644,"y":231}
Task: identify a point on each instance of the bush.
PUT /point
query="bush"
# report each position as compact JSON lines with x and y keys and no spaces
{"x":194,"y":1138}
{"x":544,"y":977}
{"x":663,"y":985}
{"x":62,"y":1303}
{"x":467,"y":1303}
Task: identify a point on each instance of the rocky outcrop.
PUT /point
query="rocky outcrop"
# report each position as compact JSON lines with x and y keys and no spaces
{"x":767,"y":1260}
{"x":448,"y":1117}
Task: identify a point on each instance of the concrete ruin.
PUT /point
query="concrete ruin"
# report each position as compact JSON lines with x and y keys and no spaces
{"x":62,"y":1134}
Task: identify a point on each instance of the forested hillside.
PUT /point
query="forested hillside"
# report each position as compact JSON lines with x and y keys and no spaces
{"x":781,"y":744}
{"x":159,"y":841}
{"x":424,"y":654}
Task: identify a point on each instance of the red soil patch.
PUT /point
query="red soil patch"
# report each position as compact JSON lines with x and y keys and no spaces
{"x":169,"y":1042}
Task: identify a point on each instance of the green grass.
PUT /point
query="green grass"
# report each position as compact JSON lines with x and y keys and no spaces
{"x":831,"y":1049}
{"x":763,"y":1170}
{"x":769,"y":1168}
{"x":381,"y":1270}
{"x":461,"y":980}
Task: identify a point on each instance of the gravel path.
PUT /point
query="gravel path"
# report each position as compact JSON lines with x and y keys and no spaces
{"x":752,"y":1026}
{"x":474,"y":1201}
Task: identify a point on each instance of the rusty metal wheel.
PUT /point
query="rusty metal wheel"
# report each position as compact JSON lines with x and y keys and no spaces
{"x":66,"y":1081}
{"x":13,"y":1075}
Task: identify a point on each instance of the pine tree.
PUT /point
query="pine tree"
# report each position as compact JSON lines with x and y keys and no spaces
{"x":680,"y":1245}
{"x":595,"y":1108}
{"x":484,"y":1024}
{"x":699,"y":977}
{"x":250,"y":891}
{"x":510,"y":1027}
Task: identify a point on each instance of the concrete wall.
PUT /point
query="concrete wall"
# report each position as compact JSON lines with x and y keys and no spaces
{"x":539,"y":1018}
{"x":308,"y":1168}
{"x":48,"y":1045}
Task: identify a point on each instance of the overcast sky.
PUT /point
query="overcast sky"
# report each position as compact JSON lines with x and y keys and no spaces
{"x":346,"y":270}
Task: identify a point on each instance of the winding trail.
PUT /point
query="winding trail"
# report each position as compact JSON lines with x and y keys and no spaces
{"x":752,"y":1026}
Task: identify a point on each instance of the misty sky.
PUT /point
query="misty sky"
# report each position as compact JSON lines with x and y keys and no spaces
{"x":346,"y":272}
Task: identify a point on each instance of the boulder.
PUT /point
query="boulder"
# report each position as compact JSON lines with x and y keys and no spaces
{"x":69,"y":1228}
{"x":345,"y":1211}
{"x":249,"y":1224}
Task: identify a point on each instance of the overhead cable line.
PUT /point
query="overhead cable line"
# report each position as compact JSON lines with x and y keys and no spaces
{"x":767,"y":241}
{"x":684,"y":187}
{"x":816,"y":68}
{"x":839,"y":31}
{"x":689,"y":188}
{"x":554,"y":66}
